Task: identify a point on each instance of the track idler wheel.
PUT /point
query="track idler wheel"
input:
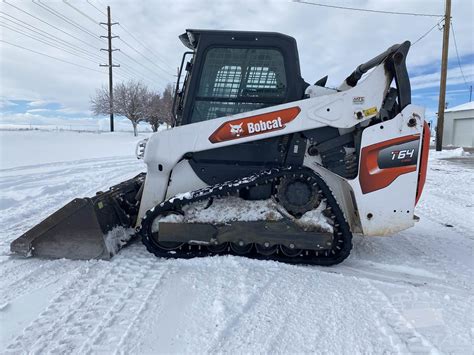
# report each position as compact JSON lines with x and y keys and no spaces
{"x":155,"y":230}
{"x":241,"y":248}
{"x":218,"y":248}
{"x":266,"y":249}
{"x":290,"y":251}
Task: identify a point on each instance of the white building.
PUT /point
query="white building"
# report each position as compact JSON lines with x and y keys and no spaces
{"x":459,"y":125}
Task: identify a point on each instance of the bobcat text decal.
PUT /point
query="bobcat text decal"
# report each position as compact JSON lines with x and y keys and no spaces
{"x":250,"y":126}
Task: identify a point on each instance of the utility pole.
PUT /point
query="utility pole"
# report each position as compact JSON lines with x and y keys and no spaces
{"x":109,"y":36}
{"x":442,"y":85}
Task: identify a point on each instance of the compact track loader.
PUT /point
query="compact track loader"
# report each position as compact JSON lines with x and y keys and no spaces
{"x":260,"y":163}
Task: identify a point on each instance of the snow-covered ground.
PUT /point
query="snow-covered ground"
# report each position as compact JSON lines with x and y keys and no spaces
{"x":410,"y":293}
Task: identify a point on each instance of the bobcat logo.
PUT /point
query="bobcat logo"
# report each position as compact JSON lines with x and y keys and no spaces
{"x":236,"y":129}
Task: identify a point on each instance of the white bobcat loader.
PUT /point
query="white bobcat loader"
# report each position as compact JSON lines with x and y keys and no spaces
{"x":260,"y":163}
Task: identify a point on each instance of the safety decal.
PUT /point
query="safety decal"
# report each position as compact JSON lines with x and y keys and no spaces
{"x":370,"y":111}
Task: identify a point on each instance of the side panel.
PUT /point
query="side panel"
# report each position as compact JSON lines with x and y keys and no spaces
{"x":386,"y":188}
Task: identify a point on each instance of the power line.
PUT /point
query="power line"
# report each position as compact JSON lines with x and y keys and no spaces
{"x":134,"y":74}
{"x":125,"y":42}
{"x":49,"y":56}
{"x":137,"y":62}
{"x":128,"y":73}
{"x":82,"y":13}
{"x":152,"y":62}
{"x":95,"y":7}
{"x":47,"y":23}
{"x":120,"y":39}
{"x":144,"y":46}
{"x":128,"y":44}
{"x":426,"y":33}
{"x":44,"y":41}
{"x":367,"y":10}
{"x":48,"y":35}
{"x":457,"y":54}
{"x":66,"y":19}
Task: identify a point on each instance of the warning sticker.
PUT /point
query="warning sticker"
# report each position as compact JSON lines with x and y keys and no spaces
{"x":370,"y":111}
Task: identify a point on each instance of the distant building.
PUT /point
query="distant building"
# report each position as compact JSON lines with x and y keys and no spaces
{"x":459,"y":125}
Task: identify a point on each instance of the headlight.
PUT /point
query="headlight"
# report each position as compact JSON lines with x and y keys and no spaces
{"x":140,"y":149}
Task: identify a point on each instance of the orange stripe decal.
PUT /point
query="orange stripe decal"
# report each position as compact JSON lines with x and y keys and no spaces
{"x":372,"y":177}
{"x":253,"y":125}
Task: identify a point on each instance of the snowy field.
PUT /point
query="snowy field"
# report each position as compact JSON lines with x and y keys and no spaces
{"x":410,"y":293}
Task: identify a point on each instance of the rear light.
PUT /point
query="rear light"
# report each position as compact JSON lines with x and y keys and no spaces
{"x":425,"y":146}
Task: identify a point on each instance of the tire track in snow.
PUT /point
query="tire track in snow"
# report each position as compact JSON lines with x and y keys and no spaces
{"x":88,"y":305}
{"x":74,"y":295}
{"x":236,"y":322}
{"x":110,"y":334}
{"x":403,"y":335}
{"x":152,"y":296}
{"x":36,"y":277}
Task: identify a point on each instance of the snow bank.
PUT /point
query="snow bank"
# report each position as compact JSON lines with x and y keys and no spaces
{"x":449,"y":153}
{"x":20,"y":148}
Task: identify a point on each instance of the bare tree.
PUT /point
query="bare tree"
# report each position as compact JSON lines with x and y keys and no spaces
{"x":167,"y":104}
{"x":159,"y":108}
{"x":154,"y":111}
{"x":130,"y":100}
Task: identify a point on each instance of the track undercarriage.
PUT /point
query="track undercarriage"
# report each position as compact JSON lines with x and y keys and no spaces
{"x":285,"y":232}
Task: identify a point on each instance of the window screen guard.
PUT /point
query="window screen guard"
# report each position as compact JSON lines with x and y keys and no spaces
{"x":236,"y":80}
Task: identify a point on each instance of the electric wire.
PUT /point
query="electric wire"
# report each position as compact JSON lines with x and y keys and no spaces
{"x":140,"y":53}
{"x":367,"y":10}
{"x":426,"y":33}
{"x":95,"y":7}
{"x":47,"y":23}
{"x":44,"y":41}
{"x":144,"y":46}
{"x":49,"y":56}
{"x":457,"y":55}
{"x":34,"y":29}
{"x":82,"y":13}
{"x":125,"y":42}
{"x":67,"y":20}
{"x":142,"y":65}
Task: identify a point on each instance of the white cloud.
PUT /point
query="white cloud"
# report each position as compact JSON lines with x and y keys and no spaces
{"x":38,"y":110}
{"x":4,"y":103}
{"x":39,"y":103}
{"x":454,"y":76}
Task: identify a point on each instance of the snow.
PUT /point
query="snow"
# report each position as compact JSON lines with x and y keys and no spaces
{"x":410,"y":293}
{"x":20,"y":148}
{"x":231,"y":210}
{"x":117,"y":238}
{"x":450,"y":153}
{"x":464,"y":107}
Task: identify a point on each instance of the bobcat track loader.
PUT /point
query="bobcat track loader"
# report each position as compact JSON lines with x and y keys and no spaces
{"x":260,"y":163}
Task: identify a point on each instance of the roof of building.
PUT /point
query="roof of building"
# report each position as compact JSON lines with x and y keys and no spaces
{"x":463,"y":107}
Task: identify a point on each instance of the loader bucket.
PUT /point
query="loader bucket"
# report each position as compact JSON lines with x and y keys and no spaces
{"x":82,"y":228}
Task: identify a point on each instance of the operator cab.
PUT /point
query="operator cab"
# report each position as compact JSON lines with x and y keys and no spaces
{"x":231,"y":72}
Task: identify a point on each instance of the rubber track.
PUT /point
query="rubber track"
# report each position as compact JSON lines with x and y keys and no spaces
{"x":341,"y":245}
